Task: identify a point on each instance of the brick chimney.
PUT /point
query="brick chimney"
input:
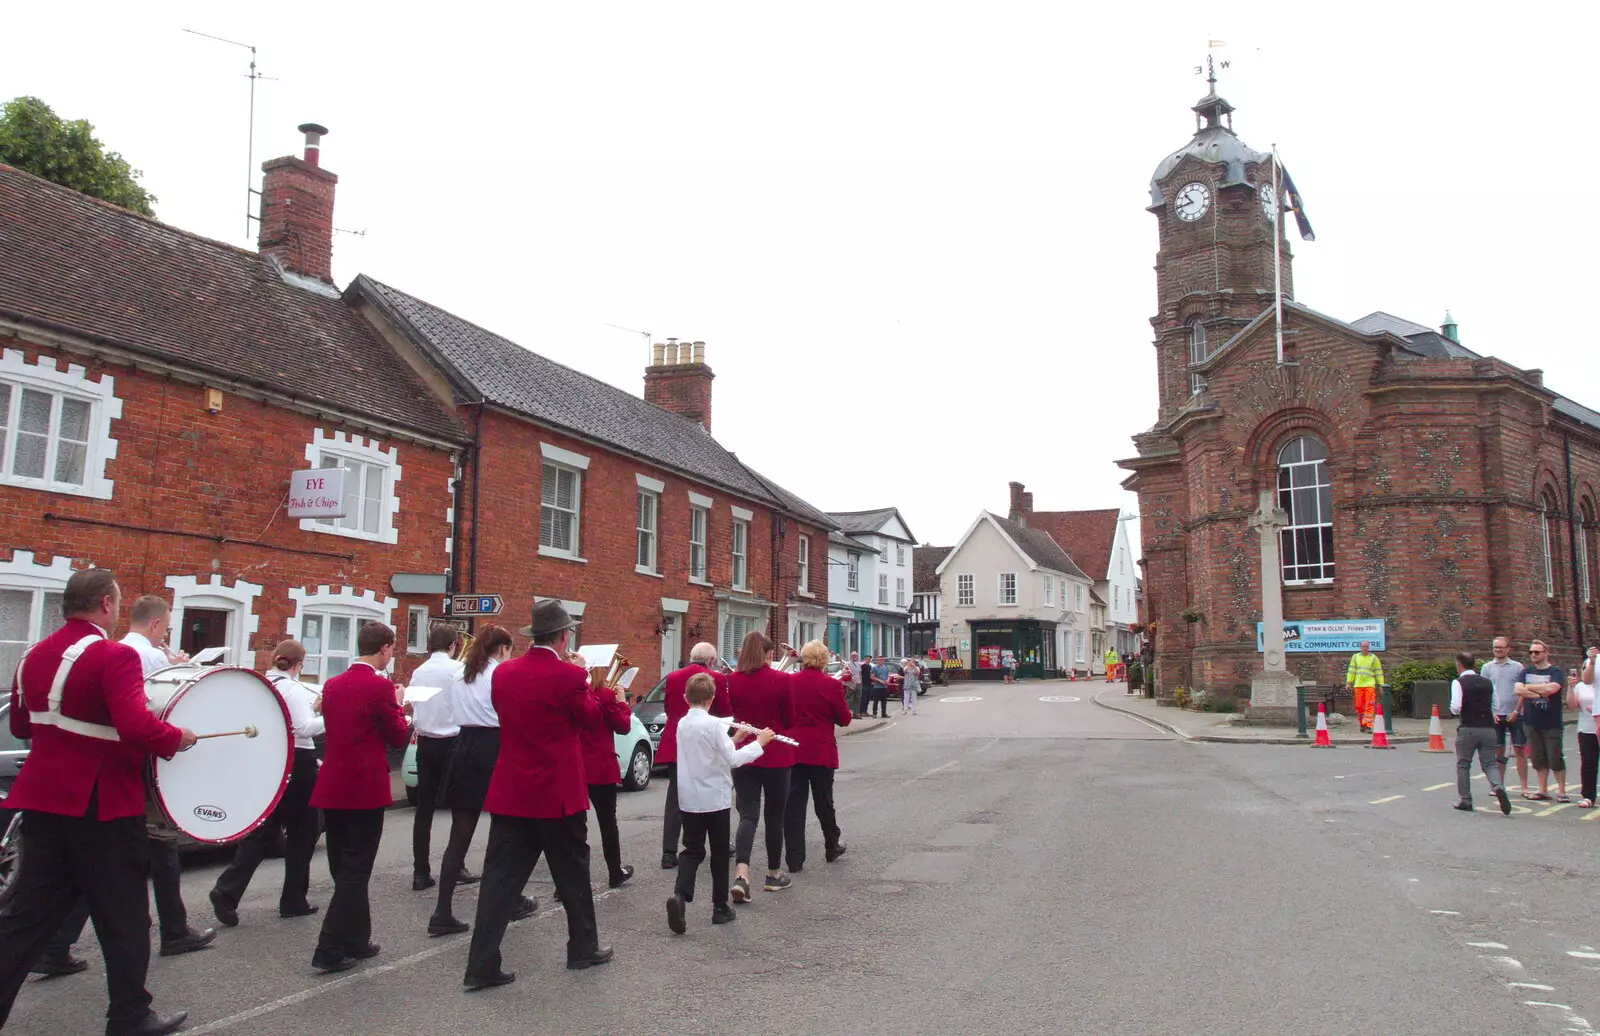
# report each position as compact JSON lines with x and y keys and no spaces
{"x":679,"y":380}
{"x":1021,"y":504}
{"x":297,"y":210}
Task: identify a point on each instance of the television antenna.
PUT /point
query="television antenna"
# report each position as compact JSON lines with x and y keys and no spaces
{"x":632,"y":331}
{"x":250,"y":191}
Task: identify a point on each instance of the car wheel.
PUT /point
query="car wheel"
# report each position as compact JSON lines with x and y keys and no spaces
{"x":10,"y":857}
{"x":411,"y":796}
{"x":639,"y":769}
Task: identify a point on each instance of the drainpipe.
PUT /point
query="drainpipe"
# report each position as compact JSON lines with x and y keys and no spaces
{"x":477,"y":477}
{"x":1572,"y":544}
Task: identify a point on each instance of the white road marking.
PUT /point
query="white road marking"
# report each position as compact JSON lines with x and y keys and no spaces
{"x":1509,"y":963}
{"x":1060,"y":698}
{"x":1446,"y":913}
{"x":1532,"y":985}
{"x":366,"y":974}
{"x":1379,"y":802}
{"x":1487,"y":945}
{"x":956,"y":700}
{"x":1582,"y":955}
{"x":1436,"y":787}
{"x":1558,"y":807}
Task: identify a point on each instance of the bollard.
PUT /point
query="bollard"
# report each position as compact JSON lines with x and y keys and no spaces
{"x":1300,"y":709}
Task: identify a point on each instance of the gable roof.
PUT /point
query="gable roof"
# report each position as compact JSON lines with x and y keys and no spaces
{"x":1086,"y":536}
{"x":856,"y":522}
{"x":504,"y":373}
{"x":925,"y":568}
{"x":851,"y":542}
{"x":1039,"y":547}
{"x":83,"y":267}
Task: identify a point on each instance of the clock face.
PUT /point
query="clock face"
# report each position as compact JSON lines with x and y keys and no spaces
{"x":1192,"y":202}
{"x":1269,"y":201}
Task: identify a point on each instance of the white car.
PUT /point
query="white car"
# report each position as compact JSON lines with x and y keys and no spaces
{"x":635,"y":757}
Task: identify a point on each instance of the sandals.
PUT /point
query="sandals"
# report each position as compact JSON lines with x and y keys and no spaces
{"x":1563,"y":798}
{"x":1536,"y":796}
{"x":1586,"y":803}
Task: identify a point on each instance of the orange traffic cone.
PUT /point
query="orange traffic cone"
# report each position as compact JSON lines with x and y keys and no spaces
{"x":1435,"y":733}
{"x":1380,"y":738}
{"x":1323,"y":740}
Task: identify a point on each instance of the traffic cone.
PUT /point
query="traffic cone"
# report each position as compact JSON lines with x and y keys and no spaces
{"x":1380,"y":738}
{"x":1435,"y":733}
{"x":1323,"y":740}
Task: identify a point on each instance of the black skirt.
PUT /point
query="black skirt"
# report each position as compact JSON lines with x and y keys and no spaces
{"x":465,"y":783}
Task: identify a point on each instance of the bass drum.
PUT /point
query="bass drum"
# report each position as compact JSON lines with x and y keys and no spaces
{"x":224,"y":787}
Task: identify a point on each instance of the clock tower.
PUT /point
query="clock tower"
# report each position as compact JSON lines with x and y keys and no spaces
{"x":1215,"y":205}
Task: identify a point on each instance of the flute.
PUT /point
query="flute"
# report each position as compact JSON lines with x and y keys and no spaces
{"x":734,"y":724}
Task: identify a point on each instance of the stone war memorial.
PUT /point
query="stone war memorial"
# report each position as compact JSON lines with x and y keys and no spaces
{"x":1309,"y":468}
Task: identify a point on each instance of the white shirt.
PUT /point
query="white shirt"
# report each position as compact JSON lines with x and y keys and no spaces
{"x":433,"y":718}
{"x":302,"y":713}
{"x":706,"y":758}
{"x":1586,"y":697}
{"x":471,"y":705}
{"x":150,"y":656}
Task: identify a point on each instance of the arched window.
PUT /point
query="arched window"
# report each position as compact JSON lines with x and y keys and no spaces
{"x":1306,"y":495}
{"x":1549,"y":536}
{"x":1586,"y":552}
{"x":1197,"y":354}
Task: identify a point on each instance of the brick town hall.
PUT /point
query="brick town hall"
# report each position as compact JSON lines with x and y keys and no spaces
{"x":1442,"y":490}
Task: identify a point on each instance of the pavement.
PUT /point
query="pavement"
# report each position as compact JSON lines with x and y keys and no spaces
{"x":1020,"y":861}
{"x":1220,"y":726}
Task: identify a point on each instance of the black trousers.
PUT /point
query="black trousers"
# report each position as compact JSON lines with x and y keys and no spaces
{"x":432,"y":755}
{"x":604,"y":798}
{"x":298,"y":821}
{"x":698,"y":828}
{"x":808,"y":780}
{"x":750,"y":783}
{"x":671,"y":822}
{"x":353,"y":837}
{"x":515,"y":844}
{"x":1588,"y":763}
{"x":166,"y":881}
{"x":880,"y":700}
{"x":59,"y":948}
{"x":104,"y":862}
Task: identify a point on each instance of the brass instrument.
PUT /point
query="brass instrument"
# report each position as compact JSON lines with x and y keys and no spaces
{"x":790,"y":662}
{"x":619,"y":665}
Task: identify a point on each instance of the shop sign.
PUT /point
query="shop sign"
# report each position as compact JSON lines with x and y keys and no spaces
{"x":317,"y":493}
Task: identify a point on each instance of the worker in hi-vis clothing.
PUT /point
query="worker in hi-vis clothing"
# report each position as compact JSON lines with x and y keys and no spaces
{"x":1363,"y":678}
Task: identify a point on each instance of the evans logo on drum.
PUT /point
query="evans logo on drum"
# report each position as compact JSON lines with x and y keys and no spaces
{"x":214,"y":814}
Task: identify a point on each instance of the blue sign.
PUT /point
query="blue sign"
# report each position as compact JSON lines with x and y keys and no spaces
{"x":1328,"y":635}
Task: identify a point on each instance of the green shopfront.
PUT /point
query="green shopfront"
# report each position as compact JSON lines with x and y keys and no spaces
{"x":1030,"y":641}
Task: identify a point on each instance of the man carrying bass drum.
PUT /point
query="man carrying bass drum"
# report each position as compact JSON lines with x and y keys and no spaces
{"x":294,"y":815}
{"x":817,"y":706}
{"x":80,"y":698}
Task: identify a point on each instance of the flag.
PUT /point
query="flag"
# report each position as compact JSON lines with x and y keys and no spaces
{"x":1292,"y":202}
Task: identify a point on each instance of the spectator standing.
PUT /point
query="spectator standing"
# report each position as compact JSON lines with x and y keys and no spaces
{"x":1505,"y":673}
{"x":1581,"y":696}
{"x":1472,"y":698}
{"x":880,"y":687}
{"x":1541,"y":690}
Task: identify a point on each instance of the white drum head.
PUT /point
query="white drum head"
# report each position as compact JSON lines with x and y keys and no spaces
{"x":225,"y":787}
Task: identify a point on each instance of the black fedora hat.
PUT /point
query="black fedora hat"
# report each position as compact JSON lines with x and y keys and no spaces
{"x":548,"y":617}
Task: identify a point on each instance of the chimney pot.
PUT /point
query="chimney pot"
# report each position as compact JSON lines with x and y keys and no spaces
{"x":314,"y":135}
{"x":658,"y":354}
{"x":699,"y":352}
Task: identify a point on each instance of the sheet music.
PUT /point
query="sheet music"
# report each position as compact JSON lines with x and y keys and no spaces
{"x":210,"y":655}
{"x":416,"y":694}
{"x":598,"y":656}
{"x":626,"y":679}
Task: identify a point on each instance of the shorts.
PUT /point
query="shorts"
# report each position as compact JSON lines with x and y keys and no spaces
{"x":1519,"y":733}
{"x":1545,"y":746}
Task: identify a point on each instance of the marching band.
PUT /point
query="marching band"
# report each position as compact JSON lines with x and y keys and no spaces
{"x":527,"y":739}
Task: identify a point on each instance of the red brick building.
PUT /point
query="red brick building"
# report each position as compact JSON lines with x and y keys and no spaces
{"x":1442,"y":490}
{"x":156,"y":391}
{"x":626,"y":509}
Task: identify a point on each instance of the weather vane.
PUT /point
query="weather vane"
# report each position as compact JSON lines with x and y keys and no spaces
{"x":1211,"y":65}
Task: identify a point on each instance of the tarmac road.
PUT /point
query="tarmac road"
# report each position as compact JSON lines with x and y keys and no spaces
{"x":1015,"y":866}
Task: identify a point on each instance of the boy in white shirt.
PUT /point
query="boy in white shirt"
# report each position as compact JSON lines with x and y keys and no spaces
{"x":706,"y":758}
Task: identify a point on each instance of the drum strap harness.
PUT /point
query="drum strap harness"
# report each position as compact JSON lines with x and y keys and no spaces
{"x":54,"y":718}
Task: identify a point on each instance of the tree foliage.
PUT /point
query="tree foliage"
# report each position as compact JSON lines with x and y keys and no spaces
{"x":37,"y":140}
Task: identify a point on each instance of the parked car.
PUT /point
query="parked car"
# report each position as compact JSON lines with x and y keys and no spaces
{"x":652,"y":712}
{"x":635,"y":755}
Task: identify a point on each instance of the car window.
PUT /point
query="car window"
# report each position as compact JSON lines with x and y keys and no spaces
{"x":657,"y":693}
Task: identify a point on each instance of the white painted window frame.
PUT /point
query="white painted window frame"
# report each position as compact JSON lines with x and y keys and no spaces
{"x":1000,"y":590}
{"x":104,"y":407}
{"x":363,"y":605}
{"x":966,"y":590}
{"x":359,"y":448}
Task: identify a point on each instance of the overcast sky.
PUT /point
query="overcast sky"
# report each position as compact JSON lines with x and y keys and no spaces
{"x":912,"y":235}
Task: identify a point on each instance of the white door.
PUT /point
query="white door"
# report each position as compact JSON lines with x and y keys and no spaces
{"x":669,"y":644}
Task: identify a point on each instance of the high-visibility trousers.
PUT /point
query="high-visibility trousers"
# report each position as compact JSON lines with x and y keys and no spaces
{"x":1366,"y":704}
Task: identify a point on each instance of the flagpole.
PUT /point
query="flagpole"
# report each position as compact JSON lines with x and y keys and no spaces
{"x":1277,"y":265}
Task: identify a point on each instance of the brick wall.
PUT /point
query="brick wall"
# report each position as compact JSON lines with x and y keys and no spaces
{"x":223,"y":477}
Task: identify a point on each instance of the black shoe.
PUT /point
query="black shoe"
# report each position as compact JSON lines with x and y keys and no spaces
{"x":777,"y":882}
{"x":796,"y":868}
{"x":188,"y":942}
{"x":621,"y":877}
{"x":675,"y":915}
{"x":468,"y":878}
{"x":1505,"y":800}
{"x":158,"y":1024}
{"x":68,"y":965}
{"x":723,"y":914}
{"x":499,"y":978}
{"x":526,"y":909}
{"x":669,"y":861}
{"x":1465,"y":807}
{"x":331,"y":962}
{"x":834,"y":853}
{"x":303,"y":910}
{"x":227,"y":912}
{"x":598,"y":957}
{"x":422,"y":882}
{"x":446,"y":926}
{"x":367,"y":952}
